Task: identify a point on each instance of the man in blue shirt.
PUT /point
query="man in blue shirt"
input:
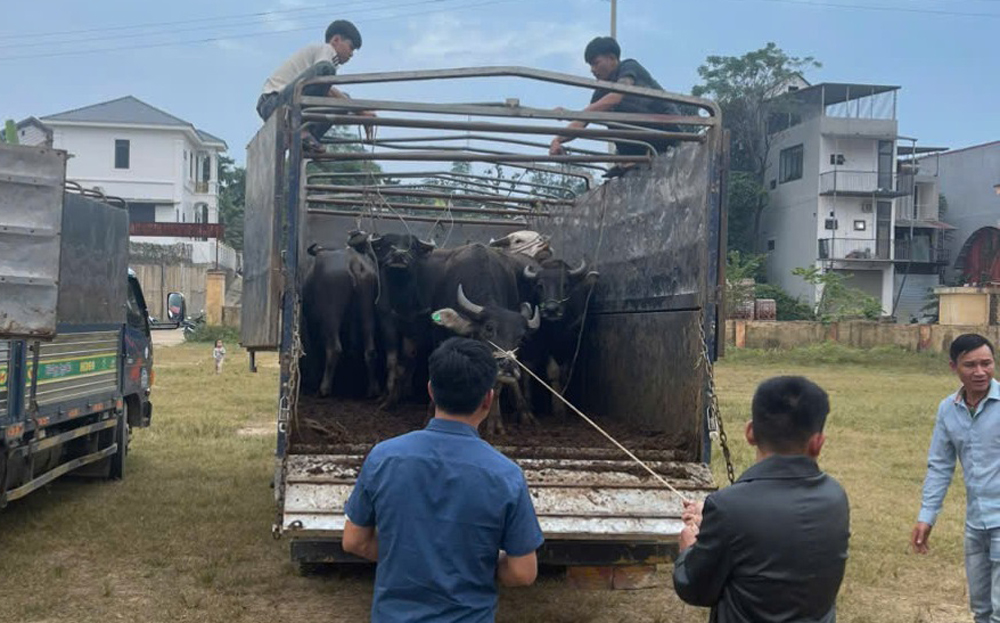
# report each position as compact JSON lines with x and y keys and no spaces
{"x":968,"y":428}
{"x":443,"y":513}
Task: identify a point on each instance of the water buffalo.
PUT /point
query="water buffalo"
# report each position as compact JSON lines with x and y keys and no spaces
{"x":338,"y":293}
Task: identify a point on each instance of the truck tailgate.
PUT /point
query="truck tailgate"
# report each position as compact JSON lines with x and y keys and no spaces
{"x":579,"y":494}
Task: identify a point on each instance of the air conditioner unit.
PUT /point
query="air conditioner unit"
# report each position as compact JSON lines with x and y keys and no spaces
{"x":866,"y":207}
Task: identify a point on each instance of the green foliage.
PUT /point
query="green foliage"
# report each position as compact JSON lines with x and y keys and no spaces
{"x":789,"y":308}
{"x":232,"y":189}
{"x":746,"y":195}
{"x":839,"y":301}
{"x":10,"y":132}
{"x":230,"y":336}
{"x":741,"y":271}
{"x":744,"y":87}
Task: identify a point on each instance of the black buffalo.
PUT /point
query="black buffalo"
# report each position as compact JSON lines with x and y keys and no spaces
{"x":338,"y":295}
{"x":474,"y":292}
{"x":562,"y":292}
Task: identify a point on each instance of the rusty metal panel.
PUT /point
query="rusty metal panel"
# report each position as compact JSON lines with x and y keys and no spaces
{"x":642,"y":368}
{"x":31,"y":207}
{"x":260,"y":317}
{"x":93,"y":286}
{"x":574,"y":499}
{"x":646,"y":232}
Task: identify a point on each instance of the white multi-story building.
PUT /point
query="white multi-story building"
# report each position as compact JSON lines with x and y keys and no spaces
{"x":839,"y":199}
{"x":165,"y":168}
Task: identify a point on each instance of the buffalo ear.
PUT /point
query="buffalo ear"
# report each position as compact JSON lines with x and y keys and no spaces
{"x":453,"y":321}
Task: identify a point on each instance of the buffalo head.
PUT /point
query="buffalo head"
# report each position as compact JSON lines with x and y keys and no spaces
{"x":489,"y":323}
{"x":556,"y":283}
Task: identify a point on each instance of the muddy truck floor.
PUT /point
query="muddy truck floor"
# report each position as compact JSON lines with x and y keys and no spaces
{"x":335,"y":424}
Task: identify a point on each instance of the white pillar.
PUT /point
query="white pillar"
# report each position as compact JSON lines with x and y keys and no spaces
{"x":888,"y":289}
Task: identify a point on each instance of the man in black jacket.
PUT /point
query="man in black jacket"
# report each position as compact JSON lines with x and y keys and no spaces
{"x":772,"y":547}
{"x":604,"y":57}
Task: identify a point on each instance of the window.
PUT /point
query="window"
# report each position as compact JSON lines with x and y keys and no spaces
{"x":790,"y":164}
{"x":121,"y":154}
{"x":837,"y":159}
{"x":770,"y":245}
{"x":860,"y":225}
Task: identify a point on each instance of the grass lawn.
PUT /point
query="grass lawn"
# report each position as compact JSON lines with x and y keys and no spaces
{"x":186,"y":535}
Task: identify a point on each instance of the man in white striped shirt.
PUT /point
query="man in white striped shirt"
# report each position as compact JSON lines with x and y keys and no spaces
{"x":312,"y":61}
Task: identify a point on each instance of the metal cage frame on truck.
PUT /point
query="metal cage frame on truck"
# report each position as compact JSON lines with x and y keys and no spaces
{"x":663,"y":276}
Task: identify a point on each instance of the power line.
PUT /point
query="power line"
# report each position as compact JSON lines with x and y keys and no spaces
{"x":265,"y":14}
{"x":891,"y":9}
{"x":254,"y":22}
{"x":245,"y":35}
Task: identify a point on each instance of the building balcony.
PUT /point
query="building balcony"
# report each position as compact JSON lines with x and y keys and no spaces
{"x":922,"y":252}
{"x":856,"y":249}
{"x":859,"y":184}
{"x":177,"y":230}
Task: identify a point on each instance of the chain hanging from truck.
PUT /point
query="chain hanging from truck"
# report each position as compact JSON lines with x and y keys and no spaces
{"x":715,"y":426}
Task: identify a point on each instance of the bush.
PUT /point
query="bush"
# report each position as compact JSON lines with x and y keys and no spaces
{"x":209,"y":333}
{"x":788,"y":308}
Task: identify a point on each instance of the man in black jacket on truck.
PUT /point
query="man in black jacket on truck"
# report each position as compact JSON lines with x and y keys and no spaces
{"x":603,"y":54}
{"x":773,"y":546}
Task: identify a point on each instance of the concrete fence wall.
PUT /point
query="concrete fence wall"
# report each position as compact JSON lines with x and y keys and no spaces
{"x":855,"y":333}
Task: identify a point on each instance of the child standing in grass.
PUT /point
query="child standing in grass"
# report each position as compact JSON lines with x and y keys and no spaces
{"x":218,"y":353}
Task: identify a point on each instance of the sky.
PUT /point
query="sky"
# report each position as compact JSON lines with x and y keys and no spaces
{"x":205,"y":62}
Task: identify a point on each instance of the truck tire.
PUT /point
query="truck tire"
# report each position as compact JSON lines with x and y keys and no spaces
{"x":117,"y":471}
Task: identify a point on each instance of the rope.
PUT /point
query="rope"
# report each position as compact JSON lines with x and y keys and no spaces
{"x":509,"y":354}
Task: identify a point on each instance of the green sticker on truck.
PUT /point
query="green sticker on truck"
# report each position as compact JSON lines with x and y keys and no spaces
{"x":76,"y":366}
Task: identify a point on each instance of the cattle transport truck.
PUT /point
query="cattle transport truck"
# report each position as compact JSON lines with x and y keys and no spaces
{"x":76,"y":360}
{"x":473,"y":172}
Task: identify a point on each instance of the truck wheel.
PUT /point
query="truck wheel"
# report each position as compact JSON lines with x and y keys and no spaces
{"x":121,"y":438}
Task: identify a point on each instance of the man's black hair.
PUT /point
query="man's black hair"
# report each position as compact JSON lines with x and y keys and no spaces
{"x":966,"y":343}
{"x":462,"y":371}
{"x":602,"y":46}
{"x":787,"y":411}
{"x":346,"y":30}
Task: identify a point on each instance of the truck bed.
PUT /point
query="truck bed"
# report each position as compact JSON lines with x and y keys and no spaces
{"x":583,"y":487}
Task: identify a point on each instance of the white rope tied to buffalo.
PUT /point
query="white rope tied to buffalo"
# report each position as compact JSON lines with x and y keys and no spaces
{"x":510,"y":355}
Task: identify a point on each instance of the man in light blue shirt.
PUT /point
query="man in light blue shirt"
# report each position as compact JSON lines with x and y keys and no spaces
{"x":968,"y":427}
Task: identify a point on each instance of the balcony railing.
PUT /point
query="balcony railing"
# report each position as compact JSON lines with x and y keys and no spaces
{"x":177,"y":230}
{"x":860,"y":249}
{"x":918,"y":251}
{"x":859,"y":183}
{"x":201,"y":187}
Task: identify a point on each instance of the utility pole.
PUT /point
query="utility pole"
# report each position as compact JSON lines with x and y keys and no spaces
{"x":614,"y":19}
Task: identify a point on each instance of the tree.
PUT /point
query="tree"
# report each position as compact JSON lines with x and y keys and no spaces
{"x":10,"y":132}
{"x":232,"y":187}
{"x":741,"y":271}
{"x":745,"y":88}
{"x":838,"y":300}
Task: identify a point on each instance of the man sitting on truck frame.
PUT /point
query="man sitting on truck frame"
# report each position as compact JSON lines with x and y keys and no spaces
{"x":773,"y":546}
{"x":603,"y":54}
{"x":313,"y":61}
{"x":443,"y":513}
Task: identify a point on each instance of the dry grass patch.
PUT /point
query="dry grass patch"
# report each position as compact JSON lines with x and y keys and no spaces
{"x":186,"y":536}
